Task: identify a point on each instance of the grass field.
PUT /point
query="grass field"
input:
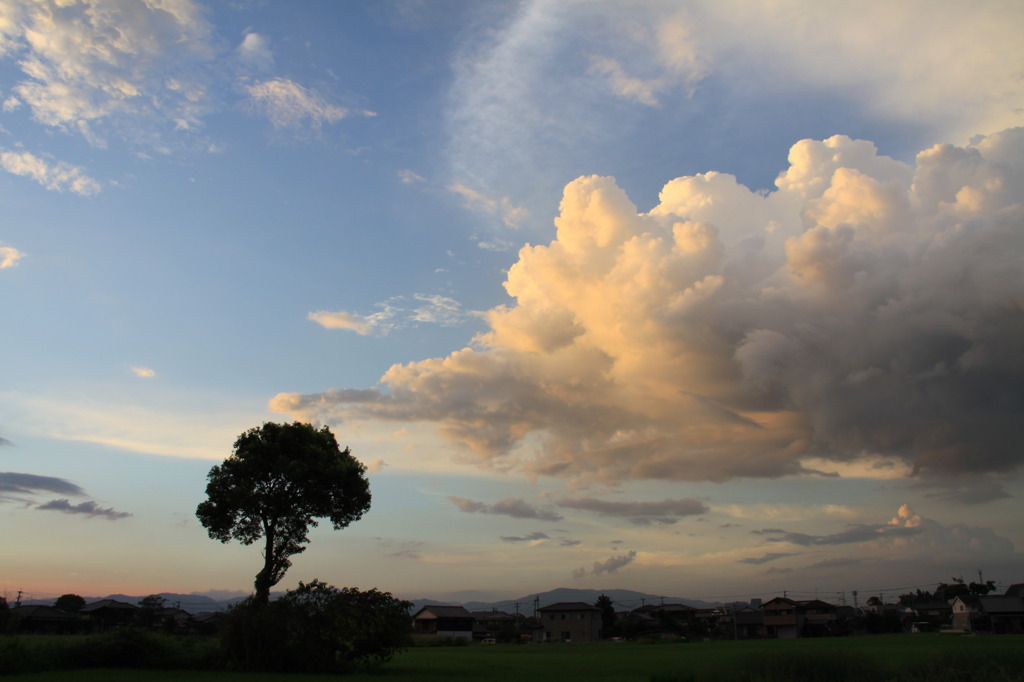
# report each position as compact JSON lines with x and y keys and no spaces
{"x":875,"y":657}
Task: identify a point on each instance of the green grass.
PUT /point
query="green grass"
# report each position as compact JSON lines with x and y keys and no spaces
{"x":883,"y":657}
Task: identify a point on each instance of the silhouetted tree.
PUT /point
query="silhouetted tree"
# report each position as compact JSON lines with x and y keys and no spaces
{"x":278,"y":481}
{"x":604,"y":603}
{"x":148,"y":607}
{"x":71,"y":603}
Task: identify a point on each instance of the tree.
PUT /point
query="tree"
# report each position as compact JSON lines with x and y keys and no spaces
{"x":604,"y":603}
{"x":71,"y":603}
{"x":279,"y":479}
{"x":148,"y":607}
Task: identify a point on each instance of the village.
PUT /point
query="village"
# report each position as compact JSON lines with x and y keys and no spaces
{"x":566,"y":621}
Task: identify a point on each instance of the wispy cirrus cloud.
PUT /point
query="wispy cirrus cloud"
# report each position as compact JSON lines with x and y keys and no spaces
{"x":286,"y":104}
{"x":396,"y":313}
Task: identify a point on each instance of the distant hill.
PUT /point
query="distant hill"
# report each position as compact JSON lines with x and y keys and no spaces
{"x":193,"y":603}
{"x":624,"y":600}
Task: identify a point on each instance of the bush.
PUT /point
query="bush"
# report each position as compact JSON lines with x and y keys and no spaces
{"x":316,"y":628}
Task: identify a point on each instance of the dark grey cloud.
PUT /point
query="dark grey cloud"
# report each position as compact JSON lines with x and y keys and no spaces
{"x":511,"y":506}
{"x":87,"y":508}
{"x":842,"y":562}
{"x":772,"y":556}
{"x":639,"y":513}
{"x":857,"y":533}
{"x":569,"y":542}
{"x":525,"y":538}
{"x":27,"y":484}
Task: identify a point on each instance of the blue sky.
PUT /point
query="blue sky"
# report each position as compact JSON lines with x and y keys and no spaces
{"x":701,"y":299}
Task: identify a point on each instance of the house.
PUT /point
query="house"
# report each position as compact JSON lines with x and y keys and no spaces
{"x":37,"y":619}
{"x":107,"y":614}
{"x":787,"y":618}
{"x":998,"y":614}
{"x":781,"y":618}
{"x":570,"y":622}
{"x":447,"y":621}
{"x":929,"y":616}
{"x":487,"y":624}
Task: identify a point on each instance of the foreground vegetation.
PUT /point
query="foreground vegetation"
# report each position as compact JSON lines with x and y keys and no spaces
{"x":896,"y":658}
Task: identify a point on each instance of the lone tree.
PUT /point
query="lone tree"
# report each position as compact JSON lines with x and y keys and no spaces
{"x":278,"y":481}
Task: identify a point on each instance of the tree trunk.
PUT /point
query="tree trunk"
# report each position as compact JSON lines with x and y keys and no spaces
{"x":265,"y":578}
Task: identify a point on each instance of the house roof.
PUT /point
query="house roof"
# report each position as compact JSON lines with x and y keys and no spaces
{"x":1015,"y":590}
{"x":779,"y":601}
{"x":491,"y":615}
{"x":1001,"y":603}
{"x":40,"y":612}
{"x":437,"y":611}
{"x":569,"y":606}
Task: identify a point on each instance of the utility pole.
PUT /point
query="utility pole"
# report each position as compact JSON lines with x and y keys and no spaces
{"x":17,"y":602}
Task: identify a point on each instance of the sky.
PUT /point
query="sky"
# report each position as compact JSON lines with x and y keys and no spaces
{"x":709,"y":299}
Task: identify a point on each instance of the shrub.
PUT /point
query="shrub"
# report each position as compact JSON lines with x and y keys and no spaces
{"x":316,"y":628}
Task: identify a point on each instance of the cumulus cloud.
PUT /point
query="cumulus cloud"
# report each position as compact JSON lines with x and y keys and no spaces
{"x":87,"y":508}
{"x":59,"y":176}
{"x":514,"y":507}
{"x":95,"y":66}
{"x":143,"y":372}
{"x":255,"y":51}
{"x":864,"y":309}
{"x":290,"y":105}
{"x":639,"y":513}
{"x":9,"y":257}
{"x":613,"y":564}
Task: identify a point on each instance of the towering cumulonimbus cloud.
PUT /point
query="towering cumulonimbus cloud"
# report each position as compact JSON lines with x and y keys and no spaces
{"x":865,"y":307}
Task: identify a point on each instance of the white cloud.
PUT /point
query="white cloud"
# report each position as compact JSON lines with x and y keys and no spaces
{"x":59,"y":176}
{"x":119,"y":67}
{"x":502,"y":208}
{"x":289,"y":105}
{"x":397,"y":313}
{"x":856,"y":314}
{"x":254,"y":50}
{"x":9,"y":257}
{"x":143,"y":372}
{"x":340,"y":319}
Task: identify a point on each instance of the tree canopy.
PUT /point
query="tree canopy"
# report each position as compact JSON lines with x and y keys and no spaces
{"x":70,"y":603}
{"x":279,"y":479}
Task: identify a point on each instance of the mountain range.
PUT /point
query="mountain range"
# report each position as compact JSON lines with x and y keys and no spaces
{"x":622,"y":599}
